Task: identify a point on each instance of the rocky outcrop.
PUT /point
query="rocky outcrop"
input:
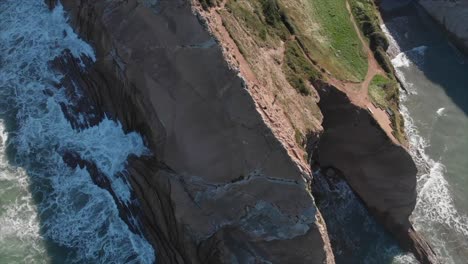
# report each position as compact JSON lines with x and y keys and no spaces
{"x":453,"y":16}
{"x":380,"y":172}
{"x":220,"y":187}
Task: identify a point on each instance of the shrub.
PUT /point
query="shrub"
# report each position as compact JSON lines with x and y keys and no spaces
{"x":378,"y":39}
{"x":383,"y":60}
{"x":271,"y":12}
{"x":298,"y":69}
{"x":206,"y":4}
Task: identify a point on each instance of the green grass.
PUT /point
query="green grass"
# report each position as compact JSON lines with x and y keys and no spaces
{"x":262,"y":18}
{"x":267,"y":21}
{"x":384,"y":93}
{"x":338,"y":29}
{"x":270,"y":21}
{"x":377,"y":91}
{"x":298,"y":69}
{"x":365,"y":13}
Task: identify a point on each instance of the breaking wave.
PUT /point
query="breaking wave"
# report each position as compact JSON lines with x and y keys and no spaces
{"x":355,"y":236}
{"x":435,"y":212}
{"x":56,"y":206}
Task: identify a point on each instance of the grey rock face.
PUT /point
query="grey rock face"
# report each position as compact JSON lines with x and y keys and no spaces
{"x":453,"y":16}
{"x":220,"y":187}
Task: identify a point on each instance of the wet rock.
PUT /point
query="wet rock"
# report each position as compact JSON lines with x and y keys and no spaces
{"x":129,"y":212}
{"x":51,"y":3}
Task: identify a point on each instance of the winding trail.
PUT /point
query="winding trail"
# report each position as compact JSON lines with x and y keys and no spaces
{"x":359,"y":93}
{"x":356,"y":91}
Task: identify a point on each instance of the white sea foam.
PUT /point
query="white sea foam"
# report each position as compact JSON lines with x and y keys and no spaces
{"x":351,"y":227}
{"x":434,"y":198}
{"x":435,"y":202}
{"x":435,"y":206}
{"x":406,"y":59}
{"x":19,"y":227}
{"x":435,"y":210}
{"x":440,"y":111}
{"x":73,"y":211}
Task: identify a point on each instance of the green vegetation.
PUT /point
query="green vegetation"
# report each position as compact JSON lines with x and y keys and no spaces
{"x":206,"y":4}
{"x":365,"y":13}
{"x":378,"y":91}
{"x":307,"y":38}
{"x":271,"y":12}
{"x":262,"y":18}
{"x":298,"y":69}
{"x":384,"y":93}
{"x":323,"y":28}
{"x":337,"y":28}
{"x":270,"y":26}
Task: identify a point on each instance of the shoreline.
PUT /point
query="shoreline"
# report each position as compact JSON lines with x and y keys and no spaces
{"x":218,"y":166}
{"x":407,"y":237}
{"x":182,"y":187}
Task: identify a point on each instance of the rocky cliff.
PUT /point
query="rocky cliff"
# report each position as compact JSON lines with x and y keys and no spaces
{"x":379,"y":171}
{"x":226,"y":183}
{"x":220,"y":187}
{"x":453,"y":16}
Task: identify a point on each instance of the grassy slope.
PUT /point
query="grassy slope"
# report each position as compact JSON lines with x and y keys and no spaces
{"x":383,"y":90}
{"x":384,"y":93}
{"x":325,"y":29}
{"x":343,"y":41}
{"x":320,"y":28}
{"x":266,"y":45}
{"x":380,"y":89}
{"x":365,"y":13}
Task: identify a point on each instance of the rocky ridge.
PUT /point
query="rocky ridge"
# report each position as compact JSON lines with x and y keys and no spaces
{"x":223,"y":184}
{"x":220,"y":187}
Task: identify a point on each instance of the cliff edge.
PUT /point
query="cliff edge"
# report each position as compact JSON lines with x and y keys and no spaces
{"x":229,"y":181}
{"x":453,"y":16}
{"x":220,"y":187}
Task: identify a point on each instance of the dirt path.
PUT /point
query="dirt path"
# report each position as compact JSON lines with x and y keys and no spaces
{"x":357,"y":92}
{"x":360,"y":95}
{"x":272,"y":113}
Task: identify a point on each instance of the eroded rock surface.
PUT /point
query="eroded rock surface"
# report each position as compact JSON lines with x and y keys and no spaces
{"x":453,"y":16}
{"x":380,"y":172}
{"x":220,"y":187}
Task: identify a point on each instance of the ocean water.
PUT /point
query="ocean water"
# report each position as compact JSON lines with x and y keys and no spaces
{"x":435,"y":106}
{"x":50,"y":212}
{"x":355,"y":236}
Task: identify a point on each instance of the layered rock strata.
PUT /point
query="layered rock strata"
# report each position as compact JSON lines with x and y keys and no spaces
{"x":380,"y":172}
{"x":220,"y":187}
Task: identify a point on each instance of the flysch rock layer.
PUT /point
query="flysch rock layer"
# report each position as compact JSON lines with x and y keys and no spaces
{"x":220,"y":187}
{"x":453,"y":16}
{"x":379,"y":171}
